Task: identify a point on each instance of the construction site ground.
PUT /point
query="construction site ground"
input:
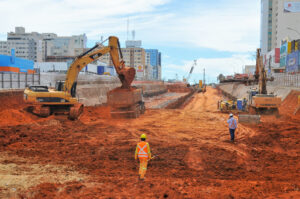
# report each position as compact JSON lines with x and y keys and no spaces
{"x":94,"y":157}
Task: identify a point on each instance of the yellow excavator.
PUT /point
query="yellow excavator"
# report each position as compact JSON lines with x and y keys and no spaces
{"x":260,"y":102}
{"x":44,"y":101}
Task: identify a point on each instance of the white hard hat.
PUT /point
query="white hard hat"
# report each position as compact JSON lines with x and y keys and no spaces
{"x":230,"y":115}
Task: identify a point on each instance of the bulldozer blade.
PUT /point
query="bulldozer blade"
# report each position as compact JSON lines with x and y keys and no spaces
{"x":249,"y":119}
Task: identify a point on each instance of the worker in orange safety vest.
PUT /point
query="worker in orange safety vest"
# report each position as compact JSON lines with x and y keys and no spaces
{"x":143,"y":153}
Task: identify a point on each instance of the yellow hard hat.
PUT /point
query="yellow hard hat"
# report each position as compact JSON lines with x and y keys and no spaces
{"x":143,"y":136}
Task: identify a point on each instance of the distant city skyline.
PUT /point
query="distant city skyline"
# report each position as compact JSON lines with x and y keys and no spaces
{"x":222,"y":35}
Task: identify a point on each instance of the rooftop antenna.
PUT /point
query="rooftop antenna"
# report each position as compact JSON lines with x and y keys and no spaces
{"x":101,"y":38}
{"x":127,"y":28}
{"x":133,"y":34}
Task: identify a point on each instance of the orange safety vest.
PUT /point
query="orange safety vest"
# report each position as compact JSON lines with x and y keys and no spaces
{"x":232,"y":123}
{"x":142,"y":150}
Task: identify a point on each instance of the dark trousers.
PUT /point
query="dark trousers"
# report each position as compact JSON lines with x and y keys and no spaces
{"x":231,"y":131}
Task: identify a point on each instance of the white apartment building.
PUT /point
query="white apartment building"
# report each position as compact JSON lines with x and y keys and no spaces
{"x":37,"y":47}
{"x":279,"y":20}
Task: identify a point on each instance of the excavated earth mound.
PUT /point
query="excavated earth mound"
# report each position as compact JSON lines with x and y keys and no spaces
{"x":93,"y":157}
{"x":290,"y":104}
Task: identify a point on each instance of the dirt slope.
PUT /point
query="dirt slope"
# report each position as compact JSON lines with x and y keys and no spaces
{"x":194,"y":157}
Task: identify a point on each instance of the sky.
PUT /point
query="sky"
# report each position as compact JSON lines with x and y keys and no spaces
{"x":221,"y":35}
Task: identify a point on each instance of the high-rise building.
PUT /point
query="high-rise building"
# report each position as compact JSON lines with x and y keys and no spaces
{"x":148,"y":68}
{"x":41,"y":47}
{"x":147,"y":62}
{"x":279,"y":20}
{"x":155,"y":62}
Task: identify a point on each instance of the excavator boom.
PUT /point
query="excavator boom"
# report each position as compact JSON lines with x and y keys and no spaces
{"x":126,"y":74}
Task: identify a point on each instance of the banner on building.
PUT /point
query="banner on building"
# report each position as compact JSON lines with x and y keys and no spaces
{"x":140,"y":69}
{"x":282,"y":61}
{"x":283,"y":49}
{"x":277,"y":55}
{"x":292,"y":7}
{"x":292,"y":62}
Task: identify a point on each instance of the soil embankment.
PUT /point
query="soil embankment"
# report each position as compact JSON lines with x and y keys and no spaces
{"x":94,"y":156}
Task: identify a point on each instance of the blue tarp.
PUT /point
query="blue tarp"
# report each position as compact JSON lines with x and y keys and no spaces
{"x":12,"y":61}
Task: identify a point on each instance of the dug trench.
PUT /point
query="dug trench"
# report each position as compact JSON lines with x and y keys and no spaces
{"x":94,"y":158}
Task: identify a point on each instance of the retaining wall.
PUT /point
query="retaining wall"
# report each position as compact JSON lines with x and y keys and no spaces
{"x":239,"y":91}
{"x":178,"y":102}
{"x":151,"y":88}
{"x":92,"y":89}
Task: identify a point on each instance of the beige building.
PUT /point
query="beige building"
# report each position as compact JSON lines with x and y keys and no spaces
{"x":279,"y":20}
{"x":133,"y":57}
{"x":26,"y":45}
{"x":250,"y":69}
{"x":42,"y":47}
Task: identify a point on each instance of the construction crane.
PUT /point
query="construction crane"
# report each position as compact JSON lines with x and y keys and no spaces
{"x":44,"y":101}
{"x":186,"y":80}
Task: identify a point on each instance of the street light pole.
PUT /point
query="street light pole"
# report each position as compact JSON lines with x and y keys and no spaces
{"x":289,"y":28}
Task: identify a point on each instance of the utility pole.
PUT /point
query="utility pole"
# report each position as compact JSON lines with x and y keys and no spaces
{"x":204,"y":76}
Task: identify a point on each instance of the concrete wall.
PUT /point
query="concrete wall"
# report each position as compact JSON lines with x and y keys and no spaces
{"x":91,"y":89}
{"x":239,"y":91}
{"x":151,"y":88}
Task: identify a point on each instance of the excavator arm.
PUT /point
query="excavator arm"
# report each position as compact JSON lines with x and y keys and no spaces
{"x":126,"y":74}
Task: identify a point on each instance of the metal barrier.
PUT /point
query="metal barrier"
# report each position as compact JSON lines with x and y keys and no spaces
{"x":286,"y":80}
{"x":18,"y":80}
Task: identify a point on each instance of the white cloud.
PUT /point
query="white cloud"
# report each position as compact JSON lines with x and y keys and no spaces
{"x":230,"y":27}
{"x":226,"y":29}
{"x":67,"y":17}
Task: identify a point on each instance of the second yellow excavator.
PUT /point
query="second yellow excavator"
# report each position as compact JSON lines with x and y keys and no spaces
{"x":44,"y":101}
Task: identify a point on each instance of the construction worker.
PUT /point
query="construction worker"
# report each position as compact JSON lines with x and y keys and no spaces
{"x":232,"y":126}
{"x":143,"y":153}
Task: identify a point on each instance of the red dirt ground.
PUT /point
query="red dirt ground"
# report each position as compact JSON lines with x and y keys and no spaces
{"x":194,"y":158}
{"x":290,"y":104}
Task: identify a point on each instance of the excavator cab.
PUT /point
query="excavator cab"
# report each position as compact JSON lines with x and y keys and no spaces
{"x":59,"y":85}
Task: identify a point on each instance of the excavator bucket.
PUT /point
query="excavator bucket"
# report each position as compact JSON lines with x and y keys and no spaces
{"x":126,"y":75}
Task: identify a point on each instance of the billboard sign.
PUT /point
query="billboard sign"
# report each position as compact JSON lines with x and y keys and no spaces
{"x":292,"y":7}
{"x":292,"y":62}
{"x":282,"y":61}
{"x":283,"y":49}
{"x":277,"y":55}
{"x":272,"y":59}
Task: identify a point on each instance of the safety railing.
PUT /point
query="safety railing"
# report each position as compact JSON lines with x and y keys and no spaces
{"x":18,"y":80}
{"x":286,"y":80}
